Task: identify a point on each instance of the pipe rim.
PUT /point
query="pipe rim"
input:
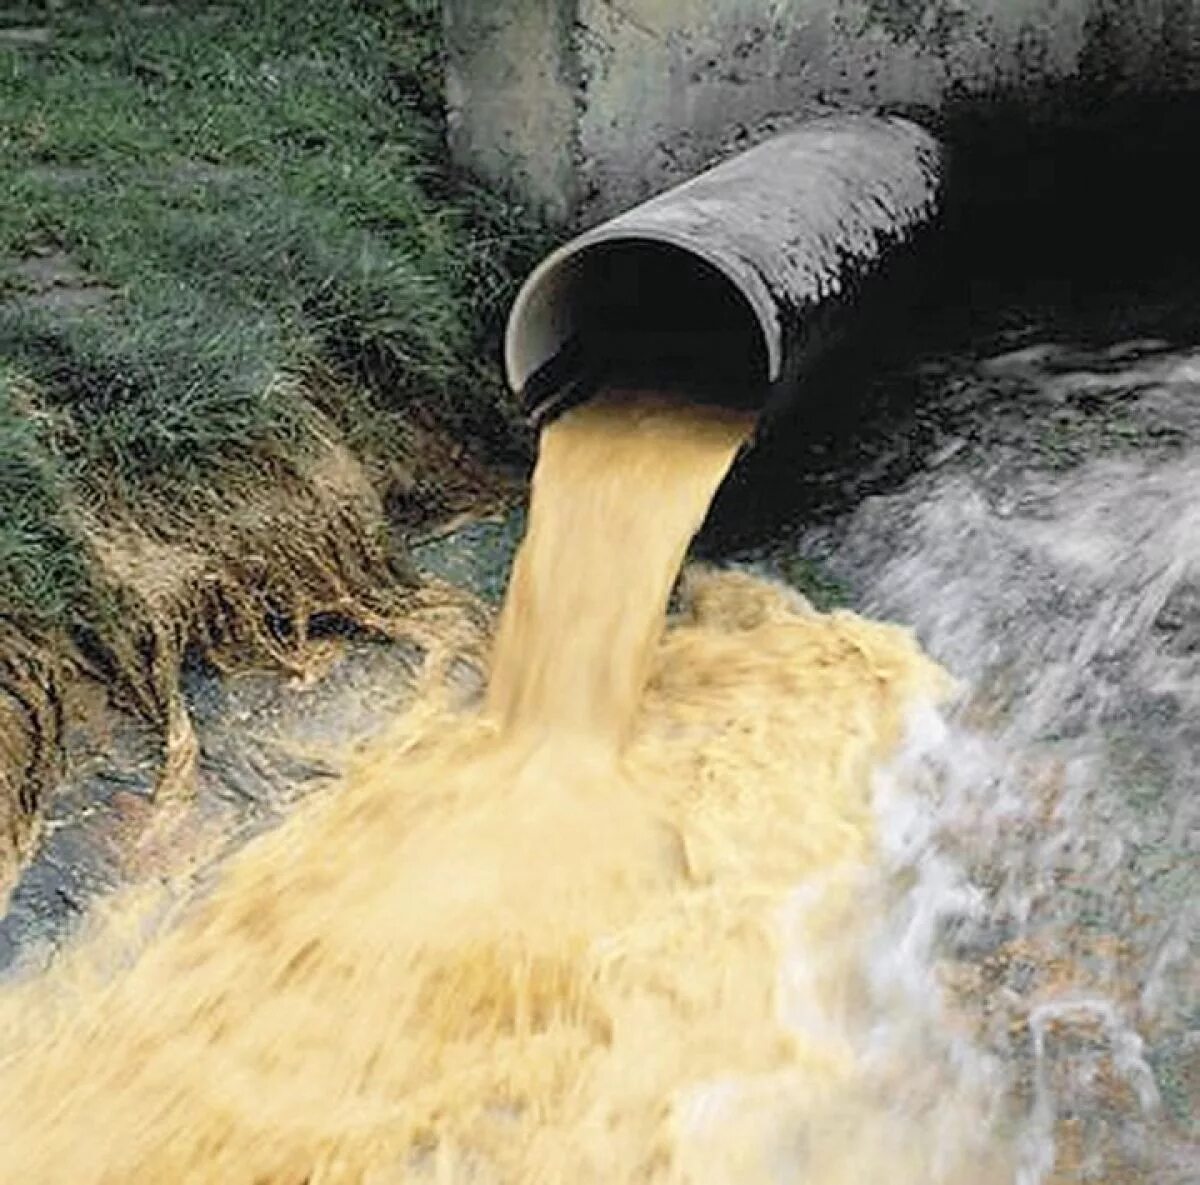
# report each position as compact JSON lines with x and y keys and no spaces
{"x":753,"y":292}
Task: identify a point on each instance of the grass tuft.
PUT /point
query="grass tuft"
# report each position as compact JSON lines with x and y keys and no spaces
{"x":228,"y":194}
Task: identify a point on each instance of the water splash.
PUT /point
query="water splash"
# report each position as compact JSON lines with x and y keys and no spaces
{"x":1064,"y":591}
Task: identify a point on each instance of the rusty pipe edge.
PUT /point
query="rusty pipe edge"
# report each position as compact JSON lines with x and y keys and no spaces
{"x":746,"y":271}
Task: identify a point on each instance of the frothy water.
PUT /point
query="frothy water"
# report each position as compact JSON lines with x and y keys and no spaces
{"x":663,"y":911}
{"x":1062,"y":846}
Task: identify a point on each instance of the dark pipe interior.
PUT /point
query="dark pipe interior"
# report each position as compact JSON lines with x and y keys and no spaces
{"x":1081,"y":198}
{"x":650,"y":314}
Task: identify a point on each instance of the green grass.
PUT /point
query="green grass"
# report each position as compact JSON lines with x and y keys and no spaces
{"x":261,"y":187}
{"x":41,"y":571}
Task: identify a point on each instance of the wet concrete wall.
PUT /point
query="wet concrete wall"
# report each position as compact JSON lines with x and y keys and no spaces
{"x":584,"y":107}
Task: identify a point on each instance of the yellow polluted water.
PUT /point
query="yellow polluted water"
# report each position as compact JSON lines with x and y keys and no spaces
{"x":548,"y":942}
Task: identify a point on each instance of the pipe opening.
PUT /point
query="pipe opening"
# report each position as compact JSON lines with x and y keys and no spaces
{"x":636,"y":312}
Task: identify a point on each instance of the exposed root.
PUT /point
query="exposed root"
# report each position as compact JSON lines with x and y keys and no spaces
{"x":31,"y":724}
{"x":244,"y":586}
{"x":239,"y":577}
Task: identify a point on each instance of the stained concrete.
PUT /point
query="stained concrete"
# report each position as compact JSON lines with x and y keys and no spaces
{"x":584,"y":107}
{"x":511,"y":97}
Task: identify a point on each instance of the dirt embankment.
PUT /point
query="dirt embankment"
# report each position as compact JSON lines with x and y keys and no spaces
{"x":319,"y":541}
{"x":247,"y":315}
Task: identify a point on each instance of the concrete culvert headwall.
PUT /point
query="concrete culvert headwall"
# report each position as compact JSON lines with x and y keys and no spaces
{"x":736,"y":278}
{"x":585,"y":108}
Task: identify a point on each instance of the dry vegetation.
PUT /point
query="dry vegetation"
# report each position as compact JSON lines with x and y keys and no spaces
{"x":247,"y":323}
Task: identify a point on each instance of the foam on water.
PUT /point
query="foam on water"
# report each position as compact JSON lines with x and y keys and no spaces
{"x":667,"y":910}
{"x":1065,"y":597}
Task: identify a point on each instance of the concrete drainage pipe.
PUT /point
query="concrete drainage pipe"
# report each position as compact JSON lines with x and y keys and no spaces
{"x":735,"y":279}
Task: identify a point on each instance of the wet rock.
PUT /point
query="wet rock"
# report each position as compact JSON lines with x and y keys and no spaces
{"x":1179,"y":620}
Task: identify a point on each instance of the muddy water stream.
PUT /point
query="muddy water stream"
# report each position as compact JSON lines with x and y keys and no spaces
{"x":985,"y":965}
{"x":617,"y":924}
